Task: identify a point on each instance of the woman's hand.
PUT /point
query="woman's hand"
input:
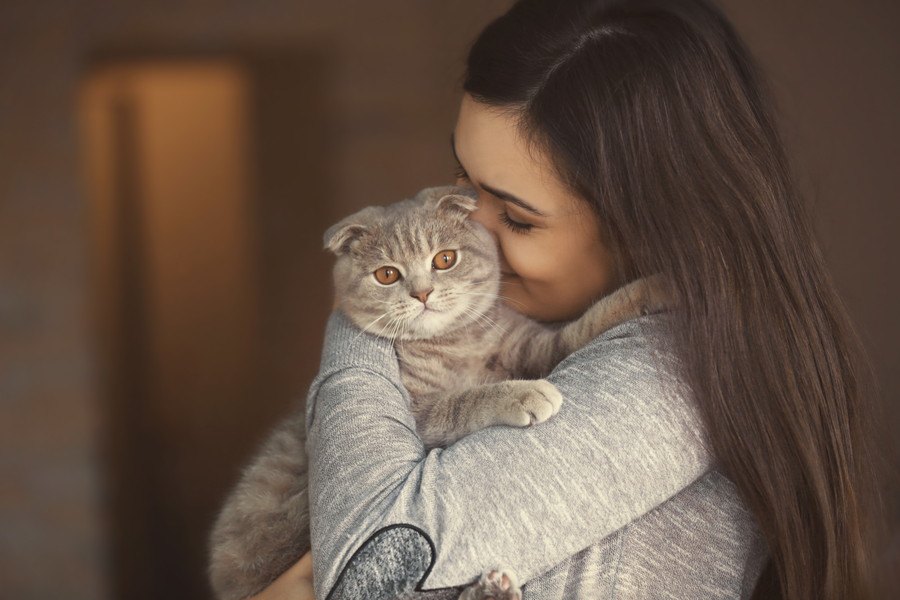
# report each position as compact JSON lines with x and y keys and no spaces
{"x":293,"y":584}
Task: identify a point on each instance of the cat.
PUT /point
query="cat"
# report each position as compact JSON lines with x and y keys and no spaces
{"x":423,"y":274}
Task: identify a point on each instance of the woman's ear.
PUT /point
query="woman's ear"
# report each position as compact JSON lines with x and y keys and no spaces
{"x":343,"y":235}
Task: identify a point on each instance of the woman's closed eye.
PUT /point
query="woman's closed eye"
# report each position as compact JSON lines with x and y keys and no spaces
{"x":511,"y":224}
{"x":514,"y":225}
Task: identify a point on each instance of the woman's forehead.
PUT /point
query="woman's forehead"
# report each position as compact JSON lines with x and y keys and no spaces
{"x":489,"y":146}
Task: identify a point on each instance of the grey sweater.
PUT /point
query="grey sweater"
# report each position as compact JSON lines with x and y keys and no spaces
{"x":615,"y":496}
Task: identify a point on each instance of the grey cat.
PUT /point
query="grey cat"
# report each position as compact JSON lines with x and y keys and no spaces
{"x":424,"y":275}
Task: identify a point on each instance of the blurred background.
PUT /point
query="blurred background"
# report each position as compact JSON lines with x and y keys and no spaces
{"x":167,"y":170}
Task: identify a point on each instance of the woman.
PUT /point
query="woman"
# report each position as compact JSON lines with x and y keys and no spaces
{"x":608,"y":141}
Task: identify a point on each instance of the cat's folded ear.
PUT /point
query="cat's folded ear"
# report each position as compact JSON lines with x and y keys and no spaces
{"x":456,"y":204}
{"x":343,"y":235}
{"x":450,"y":200}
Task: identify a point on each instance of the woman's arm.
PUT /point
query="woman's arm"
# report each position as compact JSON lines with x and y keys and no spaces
{"x":520,"y":498}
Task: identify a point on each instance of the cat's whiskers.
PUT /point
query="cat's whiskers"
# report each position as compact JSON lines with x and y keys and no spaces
{"x":405,"y":325}
{"x":399,"y":328}
{"x":391,"y":328}
{"x":477,"y":317}
{"x":497,"y":325}
{"x":369,"y":325}
{"x":489,"y":320}
{"x":501,"y":296}
{"x":484,"y":294}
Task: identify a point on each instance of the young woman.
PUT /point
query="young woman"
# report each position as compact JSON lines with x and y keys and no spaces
{"x":608,"y":141}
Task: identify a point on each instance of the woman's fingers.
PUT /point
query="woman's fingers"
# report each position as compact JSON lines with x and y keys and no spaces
{"x":304,"y":566}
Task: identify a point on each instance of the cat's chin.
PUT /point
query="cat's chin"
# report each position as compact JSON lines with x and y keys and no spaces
{"x":429,"y":323}
{"x":432,"y":323}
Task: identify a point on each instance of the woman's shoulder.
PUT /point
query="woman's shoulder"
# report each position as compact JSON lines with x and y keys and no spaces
{"x":633,"y":366}
{"x":638,"y":343}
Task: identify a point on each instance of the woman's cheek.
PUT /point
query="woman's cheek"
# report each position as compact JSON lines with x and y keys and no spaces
{"x":532,"y":262}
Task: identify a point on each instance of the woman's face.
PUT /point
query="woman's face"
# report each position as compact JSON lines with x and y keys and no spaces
{"x":555,"y":265}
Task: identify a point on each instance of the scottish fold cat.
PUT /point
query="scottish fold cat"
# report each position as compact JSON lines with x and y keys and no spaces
{"x":424,"y":275}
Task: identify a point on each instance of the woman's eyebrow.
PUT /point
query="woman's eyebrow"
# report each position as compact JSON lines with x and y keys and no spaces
{"x":506,"y":196}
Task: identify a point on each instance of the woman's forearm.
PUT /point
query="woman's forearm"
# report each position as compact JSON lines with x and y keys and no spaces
{"x":521,"y":498}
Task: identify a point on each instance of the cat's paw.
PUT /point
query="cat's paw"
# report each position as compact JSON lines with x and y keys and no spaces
{"x":650,"y":294}
{"x":494,"y":585}
{"x":530,"y":402}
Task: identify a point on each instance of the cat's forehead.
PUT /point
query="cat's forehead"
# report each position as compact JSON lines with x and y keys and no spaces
{"x":411,"y":236}
{"x":420,"y":230}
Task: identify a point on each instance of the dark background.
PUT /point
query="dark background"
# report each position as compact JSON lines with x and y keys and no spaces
{"x":167,"y":170}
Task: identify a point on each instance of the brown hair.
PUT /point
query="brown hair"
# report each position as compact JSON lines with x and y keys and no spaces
{"x":655,"y":113}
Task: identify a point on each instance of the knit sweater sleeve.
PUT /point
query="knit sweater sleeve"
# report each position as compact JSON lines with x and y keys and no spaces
{"x":521,"y":498}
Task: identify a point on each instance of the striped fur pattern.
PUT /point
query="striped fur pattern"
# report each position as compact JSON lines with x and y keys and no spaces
{"x":466,"y":358}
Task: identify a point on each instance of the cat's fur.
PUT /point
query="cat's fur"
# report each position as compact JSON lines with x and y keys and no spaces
{"x":469,"y":361}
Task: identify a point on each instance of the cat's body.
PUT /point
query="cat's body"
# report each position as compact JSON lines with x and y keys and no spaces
{"x":491,"y":368}
{"x":467,"y":359}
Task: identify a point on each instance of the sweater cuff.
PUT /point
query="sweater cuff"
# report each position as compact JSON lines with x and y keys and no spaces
{"x":347,"y":345}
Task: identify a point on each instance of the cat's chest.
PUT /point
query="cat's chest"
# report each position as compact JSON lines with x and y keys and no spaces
{"x":428,"y":366}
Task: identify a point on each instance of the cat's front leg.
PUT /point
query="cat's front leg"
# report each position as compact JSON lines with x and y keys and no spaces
{"x":494,"y":585}
{"x":531,"y":349}
{"x":639,"y":297}
{"x":443,"y":418}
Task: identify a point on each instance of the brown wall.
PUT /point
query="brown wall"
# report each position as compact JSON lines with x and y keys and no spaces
{"x":349,"y":107}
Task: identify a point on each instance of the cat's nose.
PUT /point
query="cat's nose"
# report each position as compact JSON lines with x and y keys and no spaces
{"x":423,"y":296}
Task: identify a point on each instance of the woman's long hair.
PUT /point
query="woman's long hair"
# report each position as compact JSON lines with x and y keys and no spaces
{"x":655,"y":113}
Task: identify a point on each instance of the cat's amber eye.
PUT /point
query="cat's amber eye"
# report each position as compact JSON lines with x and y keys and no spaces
{"x":387,"y":275}
{"x":444,"y":259}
